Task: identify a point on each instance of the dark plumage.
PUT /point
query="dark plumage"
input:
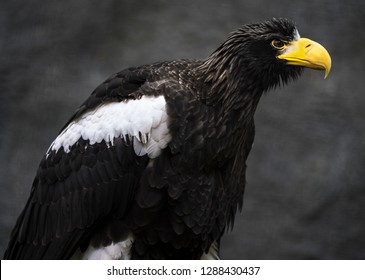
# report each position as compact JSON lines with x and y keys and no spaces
{"x":152,"y":164}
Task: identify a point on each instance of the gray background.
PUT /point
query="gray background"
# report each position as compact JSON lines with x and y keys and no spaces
{"x":305,"y":197}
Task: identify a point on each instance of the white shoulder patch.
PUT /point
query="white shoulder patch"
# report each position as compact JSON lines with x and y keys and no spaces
{"x":142,"y":121}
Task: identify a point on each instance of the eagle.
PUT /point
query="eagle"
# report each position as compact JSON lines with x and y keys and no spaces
{"x":152,"y":165}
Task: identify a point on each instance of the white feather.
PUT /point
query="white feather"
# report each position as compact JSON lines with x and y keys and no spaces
{"x":115,"y":251}
{"x":146,"y":117}
{"x":213,"y":253}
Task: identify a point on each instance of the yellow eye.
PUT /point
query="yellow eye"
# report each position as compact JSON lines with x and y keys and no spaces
{"x":277,"y":44}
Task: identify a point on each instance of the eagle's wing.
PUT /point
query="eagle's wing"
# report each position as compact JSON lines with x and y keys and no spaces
{"x":91,"y":171}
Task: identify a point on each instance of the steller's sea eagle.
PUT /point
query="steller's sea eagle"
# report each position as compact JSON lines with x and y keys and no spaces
{"x":152,"y":164}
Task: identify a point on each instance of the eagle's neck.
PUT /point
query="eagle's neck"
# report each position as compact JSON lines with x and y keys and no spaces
{"x":233,"y":89}
{"x":230,"y":79}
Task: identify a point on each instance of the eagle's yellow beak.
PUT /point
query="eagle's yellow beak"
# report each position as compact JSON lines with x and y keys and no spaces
{"x":307,"y":53}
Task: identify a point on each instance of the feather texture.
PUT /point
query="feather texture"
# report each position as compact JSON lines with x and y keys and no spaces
{"x":144,"y":120}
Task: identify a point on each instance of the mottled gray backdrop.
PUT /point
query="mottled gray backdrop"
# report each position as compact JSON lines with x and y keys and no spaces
{"x":305,"y":197}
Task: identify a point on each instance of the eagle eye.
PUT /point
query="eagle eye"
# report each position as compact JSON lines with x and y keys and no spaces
{"x":278,"y":44}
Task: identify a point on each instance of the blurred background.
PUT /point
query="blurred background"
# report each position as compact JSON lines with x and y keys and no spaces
{"x":305,"y":197}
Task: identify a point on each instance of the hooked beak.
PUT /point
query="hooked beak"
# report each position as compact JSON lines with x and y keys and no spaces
{"x":307,"y":53}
